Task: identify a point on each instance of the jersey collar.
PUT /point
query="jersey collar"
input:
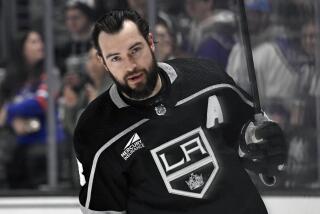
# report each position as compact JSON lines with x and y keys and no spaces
{"x":120,"y":103}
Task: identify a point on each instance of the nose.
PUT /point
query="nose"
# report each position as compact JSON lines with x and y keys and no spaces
{"x":130,"y":64}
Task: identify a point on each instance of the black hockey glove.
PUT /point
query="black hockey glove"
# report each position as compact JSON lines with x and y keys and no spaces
{"x":263,"y":147}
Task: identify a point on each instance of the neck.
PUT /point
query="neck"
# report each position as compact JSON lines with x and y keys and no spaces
{"x":31,"y":62}
{"x":155,"y":91}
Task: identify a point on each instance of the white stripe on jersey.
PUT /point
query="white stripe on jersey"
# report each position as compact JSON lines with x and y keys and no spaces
{"x":104,"y":147}
{"x":172,"y":74}
{"x":88,"y":211}
{"x":214,"y":87}
{"x":115,"y":97}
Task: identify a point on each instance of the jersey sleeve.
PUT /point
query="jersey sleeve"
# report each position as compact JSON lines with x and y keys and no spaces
{"x":103,"y":185}
{"x":238,"y":110}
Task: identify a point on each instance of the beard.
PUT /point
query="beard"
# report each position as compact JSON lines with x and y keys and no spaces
{"x":143,"y":91}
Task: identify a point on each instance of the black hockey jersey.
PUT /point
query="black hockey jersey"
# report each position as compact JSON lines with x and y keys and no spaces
{"x":171,"y":154}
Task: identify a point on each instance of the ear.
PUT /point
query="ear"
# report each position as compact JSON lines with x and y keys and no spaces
{"x":99,"y":57}
{"x":151,"y":41}
{"x":102,"y":61}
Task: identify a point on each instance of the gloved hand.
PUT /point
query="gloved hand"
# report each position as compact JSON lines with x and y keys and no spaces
{"x":263,"y":147}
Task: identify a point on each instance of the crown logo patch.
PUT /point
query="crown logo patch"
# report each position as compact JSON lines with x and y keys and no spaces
{"x":160,"y":110}
{"x":195,"y":181}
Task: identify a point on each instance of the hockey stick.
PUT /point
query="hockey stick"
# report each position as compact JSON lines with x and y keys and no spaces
{"x":248,"y":53}
{"x":268,"y":180}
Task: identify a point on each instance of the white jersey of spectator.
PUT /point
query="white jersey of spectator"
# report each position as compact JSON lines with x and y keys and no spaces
{"x":275,"y":80}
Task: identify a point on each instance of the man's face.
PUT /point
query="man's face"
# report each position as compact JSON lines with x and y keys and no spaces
{"x":94,"y":68}
{"x":130,"y":60}
{"x":196,"y":9}
{"x":165,"y":44}
{"x":257,"y":21}
{"x":33,"y":48}
{"x":76,"y":21}
{"x":309,"y":38}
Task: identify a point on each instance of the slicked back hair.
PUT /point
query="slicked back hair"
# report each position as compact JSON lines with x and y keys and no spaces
{"x":112,"y":23}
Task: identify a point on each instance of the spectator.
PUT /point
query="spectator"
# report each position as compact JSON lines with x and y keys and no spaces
{"x":166,"y":42}
{"x":258,"y":12}
{"x":309,"y":47}
{"x":101,"y":80}
{"x":24,"y":97}
{"x":278,"y":62}
{"x":211,"y":31}
{"x":74,"y":100}
{"x":302,"y":167}
{"x":308,"y":38}
{"x":72,"y":54}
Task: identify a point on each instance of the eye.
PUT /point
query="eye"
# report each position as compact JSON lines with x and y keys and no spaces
{"x":115,"y":59}
{"x":135,"y":50}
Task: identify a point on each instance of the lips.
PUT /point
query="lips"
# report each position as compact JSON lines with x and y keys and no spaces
{"x":135,"y":78}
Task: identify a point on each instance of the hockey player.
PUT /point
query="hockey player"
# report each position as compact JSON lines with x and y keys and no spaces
{"x":165,"y":138}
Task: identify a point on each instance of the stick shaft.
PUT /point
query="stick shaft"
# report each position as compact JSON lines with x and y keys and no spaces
{"x":249,"y":59}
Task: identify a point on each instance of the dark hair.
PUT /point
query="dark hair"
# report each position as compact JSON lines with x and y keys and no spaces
{"x":17,"y":70}
{"x":112,"y":22}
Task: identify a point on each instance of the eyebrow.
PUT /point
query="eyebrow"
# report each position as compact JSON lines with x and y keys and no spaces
{"x":135,"y":44}
{"x":111,"y":55}
{"x":115,"y":54}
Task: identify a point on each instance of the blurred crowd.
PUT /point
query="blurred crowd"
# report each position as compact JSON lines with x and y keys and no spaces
{"x":283,"y":38}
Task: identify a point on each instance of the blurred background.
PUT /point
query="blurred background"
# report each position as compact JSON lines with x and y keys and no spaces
{"x":49,"y":74}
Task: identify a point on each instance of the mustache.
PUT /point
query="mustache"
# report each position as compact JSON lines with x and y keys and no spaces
{"x":136,"y":71}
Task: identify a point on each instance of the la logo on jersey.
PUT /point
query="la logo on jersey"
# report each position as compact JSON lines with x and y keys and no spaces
{"x":187,"y":164}
{"x":133,"y":145}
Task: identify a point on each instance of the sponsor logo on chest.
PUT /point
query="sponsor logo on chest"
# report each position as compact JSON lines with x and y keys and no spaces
{"x":133,"y":145}
{"x":187,"y":164}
